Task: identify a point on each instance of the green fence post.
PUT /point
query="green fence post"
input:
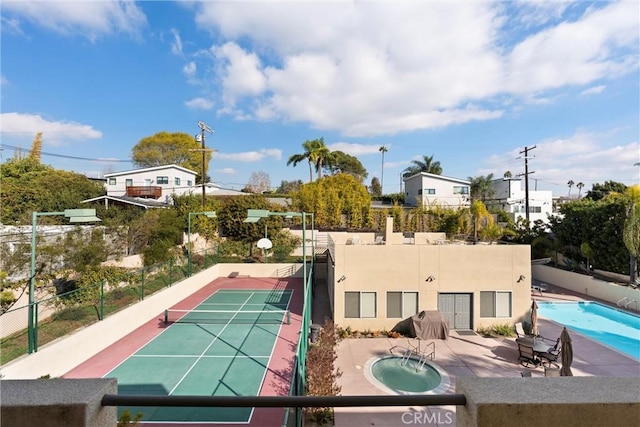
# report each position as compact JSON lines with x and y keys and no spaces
{"x":170,"y":272}
{"x":35,"y":327}
{"x":102,"y":300}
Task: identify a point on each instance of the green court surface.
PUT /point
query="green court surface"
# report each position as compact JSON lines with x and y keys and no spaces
{"x":226,"y":355}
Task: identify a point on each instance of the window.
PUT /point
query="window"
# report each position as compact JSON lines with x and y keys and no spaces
{"x":176,"y":181}
{"x":112,"y":181}
{"x":360,"y":304}
{"x":535,"y":209}
{"x":420,"y":192}
{"x":495,"y":304}
{"x":189,"y":183}
{"x":457,"y":189}
{"x":162,"y":179}
{"x":128,"y":182}
{"x":429,"y":191}
{"x":401,"y":304}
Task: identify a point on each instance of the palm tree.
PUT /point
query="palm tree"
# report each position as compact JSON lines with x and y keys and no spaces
{"x":570,"y":184}
{"x":579,"y":185}
{"x":315,"y":152}
{"x":383,"y":150}
{"x":507,"y":175}
{"x":481,"y":187}
{"x":426,"y":165}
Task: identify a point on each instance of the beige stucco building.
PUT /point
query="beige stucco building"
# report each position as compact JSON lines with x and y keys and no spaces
{"x":375,"y":282}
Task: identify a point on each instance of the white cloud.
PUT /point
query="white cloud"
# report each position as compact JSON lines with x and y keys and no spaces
{"x":3,"y":80}
{"x":190,"y":69}
{"x":586,"y":157}
{"x":18,"y":126}
{"x":252,"y":156}
{"x":356,"y":149}
{"x":593,"y":90}
{"x":199,"y":104}
{"x":381,"y":69}
{"x":176,"y":45}
{"x":90,"y":19}
{"x":226,"y":171}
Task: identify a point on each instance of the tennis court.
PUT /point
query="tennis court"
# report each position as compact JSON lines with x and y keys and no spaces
{"x":221,"y":348}
{"x":224,"y":345}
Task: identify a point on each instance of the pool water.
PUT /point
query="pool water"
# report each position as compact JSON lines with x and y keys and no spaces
{"x":611,"y":327}
{"x":390,"y":374}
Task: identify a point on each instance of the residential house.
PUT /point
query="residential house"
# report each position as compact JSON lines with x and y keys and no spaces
{"x":158,"y":182}
{"x":427,"y":189}
{"x":511,"y":197}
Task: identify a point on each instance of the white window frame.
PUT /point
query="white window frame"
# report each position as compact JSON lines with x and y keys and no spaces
{"x":405,"y":311}
{"x":498,"y":309}
{"x":176,"y":180}
{"x":162,"y":180}
{"x":361,"y":308}
{"x":128,"y":182}
{"x":112,"y":181}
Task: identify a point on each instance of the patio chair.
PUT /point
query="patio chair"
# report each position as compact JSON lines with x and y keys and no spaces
{"x":551,"y":356}
{"x":521,"y":334}
{"x":526,"y":354}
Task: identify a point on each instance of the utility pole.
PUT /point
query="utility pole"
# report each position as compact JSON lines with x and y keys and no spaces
{"x":526,"y":180}
{"x":203,"y":128}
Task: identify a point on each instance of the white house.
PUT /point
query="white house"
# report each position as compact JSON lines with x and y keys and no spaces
{"x":427,"y":189}
{"x":511,"y":197}
{"x":157,"y":183}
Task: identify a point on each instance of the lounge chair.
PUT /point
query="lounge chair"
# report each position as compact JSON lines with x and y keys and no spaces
{"x":551,"y":356}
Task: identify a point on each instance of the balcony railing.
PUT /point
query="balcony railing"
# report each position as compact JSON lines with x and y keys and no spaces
{"x":144,"y":191}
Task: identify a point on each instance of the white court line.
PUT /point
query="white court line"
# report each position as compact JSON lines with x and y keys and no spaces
{"x":207,"y":348}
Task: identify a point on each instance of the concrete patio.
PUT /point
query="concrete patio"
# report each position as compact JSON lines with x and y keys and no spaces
{"x":465,"y":355}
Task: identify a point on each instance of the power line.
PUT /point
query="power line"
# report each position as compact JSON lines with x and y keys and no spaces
{"x":89,"y":159}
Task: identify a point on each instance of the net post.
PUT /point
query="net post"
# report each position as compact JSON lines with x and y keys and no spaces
{"x":166,"y":317}
{"x":288,"y":317}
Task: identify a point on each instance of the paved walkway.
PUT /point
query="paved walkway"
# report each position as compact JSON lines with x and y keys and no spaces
{"x":464,"y":355}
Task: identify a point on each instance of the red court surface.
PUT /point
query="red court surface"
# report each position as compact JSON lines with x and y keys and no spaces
{"x":278,"y":376}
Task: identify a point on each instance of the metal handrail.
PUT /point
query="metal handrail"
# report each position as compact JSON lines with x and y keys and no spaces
{"x":284,"y":401}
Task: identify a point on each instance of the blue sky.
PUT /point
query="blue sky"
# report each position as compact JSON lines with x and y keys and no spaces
{"x":471,"y":83}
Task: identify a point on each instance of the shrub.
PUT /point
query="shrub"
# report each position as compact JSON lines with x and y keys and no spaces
{"x":321,"y":371}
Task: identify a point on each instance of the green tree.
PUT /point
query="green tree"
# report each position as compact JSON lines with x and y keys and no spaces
{"x":481,"y":188}
{"x":631,"y":231}
{"x":599,"y":191}
{"x":333,"y":196}
{"x":166,"y":148}
{"x":376,"y":187}
{"x":28,"y":186}
{"x":427,"y":164}
{"x":315,"y":153}
{"x":340,"y":162}
{"x":287,"y":187}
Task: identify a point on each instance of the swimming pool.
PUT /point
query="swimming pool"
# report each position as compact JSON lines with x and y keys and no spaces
{"x":611,"y":327}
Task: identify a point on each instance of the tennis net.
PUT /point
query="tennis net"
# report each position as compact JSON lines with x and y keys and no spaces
{"x":228,"y":316}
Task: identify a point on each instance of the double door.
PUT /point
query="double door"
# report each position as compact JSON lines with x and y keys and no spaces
{"x":457,"y":309}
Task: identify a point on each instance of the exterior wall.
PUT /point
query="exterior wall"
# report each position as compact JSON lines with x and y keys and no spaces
{"x":582,"y":283}
{"x":140,"y":176}
{"x":444,"y":195}
{"x":456,"y":269}
{"x":511,"y":197}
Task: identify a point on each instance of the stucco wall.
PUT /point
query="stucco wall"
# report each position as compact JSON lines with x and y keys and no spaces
{"x":585,"y":284}
{"x":456,"y":268}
